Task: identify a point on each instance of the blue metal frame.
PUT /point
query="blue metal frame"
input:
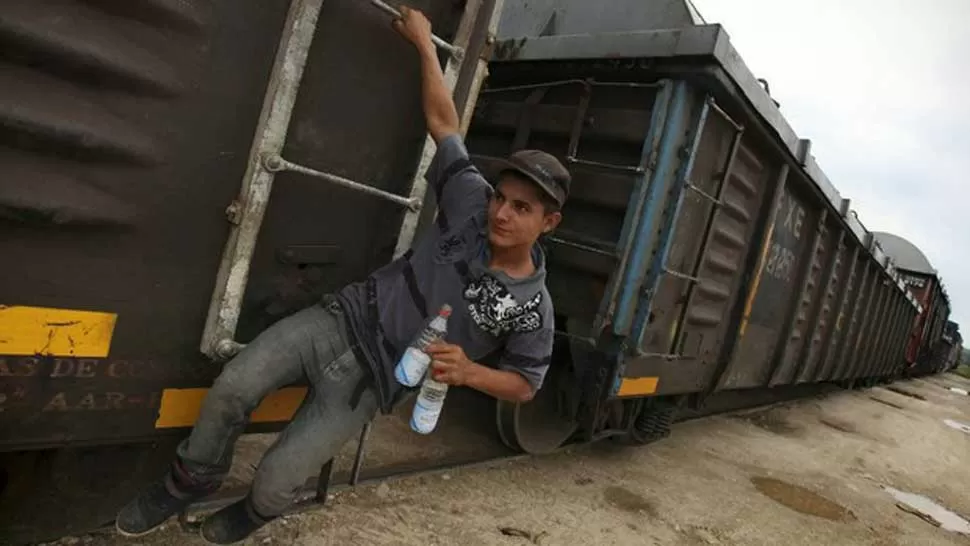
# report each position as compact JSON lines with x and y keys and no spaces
{"x":648,"y":154}
{"x":652,"y":206}
{"x":673,"y":206}
{"x":659,"y":264}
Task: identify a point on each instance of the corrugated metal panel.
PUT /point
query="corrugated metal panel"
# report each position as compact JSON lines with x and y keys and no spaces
{"x":787,"y":360}
{"x":691,"y":310}
{"x":892,"y":357}
{"x":668,"y":303}
{"x":821,"y":321}
{"x":849,"y":284}
{"x":869,"y":342}
{"x":790,"y":247}
{"x":860,"y":298}
{"x":858,"y":350}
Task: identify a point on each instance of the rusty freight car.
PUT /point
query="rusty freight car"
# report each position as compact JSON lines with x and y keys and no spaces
{"x":705,"y":261}
{"x":932,"y":335}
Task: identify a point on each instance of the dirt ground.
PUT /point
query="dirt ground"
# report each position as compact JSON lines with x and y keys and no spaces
{"x":806,"y":472}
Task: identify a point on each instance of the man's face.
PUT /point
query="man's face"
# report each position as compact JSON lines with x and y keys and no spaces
{"x":516,"y":215}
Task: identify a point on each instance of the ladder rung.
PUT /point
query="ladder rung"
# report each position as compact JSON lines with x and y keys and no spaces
{"x":275,"y":163}
{"x":452,"y":50}
{"x":720,"y":111}
{"x":717,"y":202}
{"x":684,"y":276}
{"x":582,"y":246}
{"x":612,"y":166}
{"x":665,"y":356}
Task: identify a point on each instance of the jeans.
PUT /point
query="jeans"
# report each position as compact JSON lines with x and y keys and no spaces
{"x":311,"y":345}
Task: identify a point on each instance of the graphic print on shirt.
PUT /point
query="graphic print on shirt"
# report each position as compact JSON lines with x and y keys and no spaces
{"x":494,"y":309}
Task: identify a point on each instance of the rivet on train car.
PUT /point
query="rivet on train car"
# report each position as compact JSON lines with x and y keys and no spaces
{"x":234,"y":212}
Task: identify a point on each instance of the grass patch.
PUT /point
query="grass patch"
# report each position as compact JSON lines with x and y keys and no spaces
{"x":963,"y":370}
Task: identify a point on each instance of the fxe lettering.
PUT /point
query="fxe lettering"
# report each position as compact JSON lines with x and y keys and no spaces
{"x":794,"y":218}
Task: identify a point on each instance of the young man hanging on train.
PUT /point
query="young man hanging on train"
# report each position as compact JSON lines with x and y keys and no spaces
{"x":480,"y":257}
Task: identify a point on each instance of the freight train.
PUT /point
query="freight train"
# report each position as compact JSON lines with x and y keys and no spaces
{"x":935,"y":342}
{"x":178,"y":175}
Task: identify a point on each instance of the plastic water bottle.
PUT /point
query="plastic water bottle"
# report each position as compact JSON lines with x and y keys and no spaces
{"x":427,"y":408}
{"x":414,"y":363}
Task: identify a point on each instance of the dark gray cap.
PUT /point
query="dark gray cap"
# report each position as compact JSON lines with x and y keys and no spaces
{"x":543,"y":169}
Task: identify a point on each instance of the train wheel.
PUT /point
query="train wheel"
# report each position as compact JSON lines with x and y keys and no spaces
{"x":651,"y":425}
{"x":47,"y":494}
{"x":536,"y":427}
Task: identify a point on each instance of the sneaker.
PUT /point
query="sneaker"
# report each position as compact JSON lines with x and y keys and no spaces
{"x":150,"y":509}
{"x":233,"y":523}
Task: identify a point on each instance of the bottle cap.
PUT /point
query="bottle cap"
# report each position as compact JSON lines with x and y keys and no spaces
{"x":445,"y":311}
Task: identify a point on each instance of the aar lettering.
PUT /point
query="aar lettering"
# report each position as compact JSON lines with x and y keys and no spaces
{"x":114,"y":400}
{"x":101,"y":401}
{"x":58,"y":403}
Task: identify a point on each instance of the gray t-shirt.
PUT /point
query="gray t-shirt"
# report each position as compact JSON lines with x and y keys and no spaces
{"x":493,"y":314}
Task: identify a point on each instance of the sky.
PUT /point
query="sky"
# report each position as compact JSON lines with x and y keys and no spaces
{"x":882,"y":88}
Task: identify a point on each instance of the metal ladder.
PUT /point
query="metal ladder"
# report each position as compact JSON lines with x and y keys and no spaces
{"x":246,"y":212}
{"x":660,"y":268}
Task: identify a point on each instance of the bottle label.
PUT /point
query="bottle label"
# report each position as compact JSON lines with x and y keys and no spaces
{"x":427,"y":408}
{"x":432,"y":395}
{"x":412,"y":366}
{"x":428,"y":336}
{"x":424,"y":421}
{"x":424,"y":418}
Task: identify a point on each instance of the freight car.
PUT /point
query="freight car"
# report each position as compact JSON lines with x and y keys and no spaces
{"x":705,"y":260}
{"x":952,"y":346}
{"x":932,"y":337}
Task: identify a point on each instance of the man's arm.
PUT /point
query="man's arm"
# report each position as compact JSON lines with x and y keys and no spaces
{"x":451,"y":366}
{"x":440,"y":113}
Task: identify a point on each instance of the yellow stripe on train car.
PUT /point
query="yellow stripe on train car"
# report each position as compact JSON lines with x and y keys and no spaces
{"x":27,"y":331}
{"x":762,"y":261}
{"x":181,"y":407}
{"x":638,"y":386}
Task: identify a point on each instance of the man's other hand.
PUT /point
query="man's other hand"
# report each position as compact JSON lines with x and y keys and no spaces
{"x":414,"y":26}
{"x":449,"y":364}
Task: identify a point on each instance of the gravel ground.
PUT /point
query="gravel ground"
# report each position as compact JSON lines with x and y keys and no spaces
{"x":807,"y":472}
